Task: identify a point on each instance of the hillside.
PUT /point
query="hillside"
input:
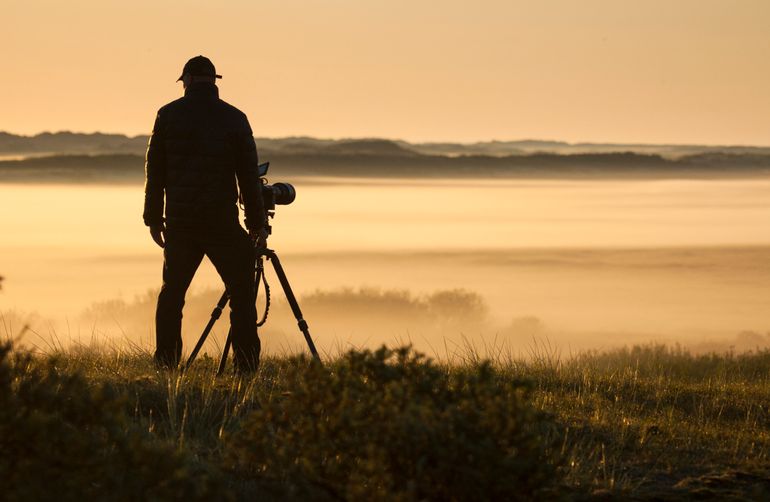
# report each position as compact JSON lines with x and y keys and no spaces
{"x":70,"y":157}
{"x":380,"y":160}
{"x":100,"y":143}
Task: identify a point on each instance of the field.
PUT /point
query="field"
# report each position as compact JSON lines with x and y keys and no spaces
{"x":646,"y":422}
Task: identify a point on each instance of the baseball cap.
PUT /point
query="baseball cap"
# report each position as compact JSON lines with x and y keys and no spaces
{"x":199,"y":66}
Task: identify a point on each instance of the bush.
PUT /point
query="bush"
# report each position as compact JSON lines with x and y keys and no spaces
{"x":393,"y":425}
{"x":63,"y":439}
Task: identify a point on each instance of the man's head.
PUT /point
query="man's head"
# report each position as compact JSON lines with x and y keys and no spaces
{"x":198,"y":69}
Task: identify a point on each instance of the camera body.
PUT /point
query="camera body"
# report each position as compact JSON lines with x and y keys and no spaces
{"x":272,"y":195}
{"x":277,"y":193}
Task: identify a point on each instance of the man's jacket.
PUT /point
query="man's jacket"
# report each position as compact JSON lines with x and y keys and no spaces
{"x":201,"y":150}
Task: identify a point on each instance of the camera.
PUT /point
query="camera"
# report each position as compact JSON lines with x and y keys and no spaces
{"x":272,"y":195}
{"x":277,"y":193}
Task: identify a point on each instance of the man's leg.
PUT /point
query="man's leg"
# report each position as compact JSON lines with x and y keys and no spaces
{"x":232,"y":253}
{"x":182,"y":256}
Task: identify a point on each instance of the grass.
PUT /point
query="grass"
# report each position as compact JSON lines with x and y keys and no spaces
{"x":647,"y":422}
{"x":656,"y":421}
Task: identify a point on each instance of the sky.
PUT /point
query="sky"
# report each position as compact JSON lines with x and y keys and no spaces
{"x":631,"y":71}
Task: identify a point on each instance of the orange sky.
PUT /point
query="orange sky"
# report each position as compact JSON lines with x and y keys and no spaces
{"x":678,"y":71}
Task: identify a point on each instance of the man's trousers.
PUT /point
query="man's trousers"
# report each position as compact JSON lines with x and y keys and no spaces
{"x":232,"y":252}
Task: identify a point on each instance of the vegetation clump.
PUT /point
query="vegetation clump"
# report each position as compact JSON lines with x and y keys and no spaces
{"x":392,"y":425}
{"x":63,"y":438}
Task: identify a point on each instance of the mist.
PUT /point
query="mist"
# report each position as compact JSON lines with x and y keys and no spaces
{"x":500,"y":266}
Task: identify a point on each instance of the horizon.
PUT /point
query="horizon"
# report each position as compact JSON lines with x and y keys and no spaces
{"x":397,"y":139}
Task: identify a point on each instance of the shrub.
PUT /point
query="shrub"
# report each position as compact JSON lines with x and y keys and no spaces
{"x":63,"y":439}
{"x":393,"y":425}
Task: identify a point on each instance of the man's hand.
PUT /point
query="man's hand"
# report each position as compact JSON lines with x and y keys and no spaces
{"x":158,"y":233}
{"x":259,"y":236}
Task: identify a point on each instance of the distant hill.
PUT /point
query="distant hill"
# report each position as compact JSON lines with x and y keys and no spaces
{"x":383,"y":160}
{"x":99,"y":143}
{"x":68,"y":142}
{"x":75,"y":157}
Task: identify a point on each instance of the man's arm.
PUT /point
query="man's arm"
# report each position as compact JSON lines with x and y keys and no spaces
{"x":155,"y":183}
{"x":247,"y":161}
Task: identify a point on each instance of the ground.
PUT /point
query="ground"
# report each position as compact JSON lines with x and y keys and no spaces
{"x":644,"y":423}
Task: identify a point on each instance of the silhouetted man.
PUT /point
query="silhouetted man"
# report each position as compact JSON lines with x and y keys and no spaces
{"x":201,"y":152}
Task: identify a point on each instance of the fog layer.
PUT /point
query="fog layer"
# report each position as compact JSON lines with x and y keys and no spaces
{"x":443,"y":264}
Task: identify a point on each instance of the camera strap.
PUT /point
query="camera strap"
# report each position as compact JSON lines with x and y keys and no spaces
{"x":261,"y":274}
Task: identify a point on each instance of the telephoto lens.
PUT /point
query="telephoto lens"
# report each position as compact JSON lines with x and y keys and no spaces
{"x":283,"y":193}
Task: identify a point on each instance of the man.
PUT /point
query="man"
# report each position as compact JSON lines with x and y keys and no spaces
{"x":201,"y":152}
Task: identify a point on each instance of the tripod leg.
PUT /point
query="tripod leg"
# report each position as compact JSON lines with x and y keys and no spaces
{"x":229,"y":340}
{"x":215,"y":314}
{"x":225,"y":352}
{"x":293,"y":303}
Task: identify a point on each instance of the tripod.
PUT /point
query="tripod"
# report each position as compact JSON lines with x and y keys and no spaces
{"x":260,"y":276}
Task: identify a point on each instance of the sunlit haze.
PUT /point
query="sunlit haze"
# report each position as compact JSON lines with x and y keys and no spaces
{"x":583,"y":263}
{"x":689,"y":71}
